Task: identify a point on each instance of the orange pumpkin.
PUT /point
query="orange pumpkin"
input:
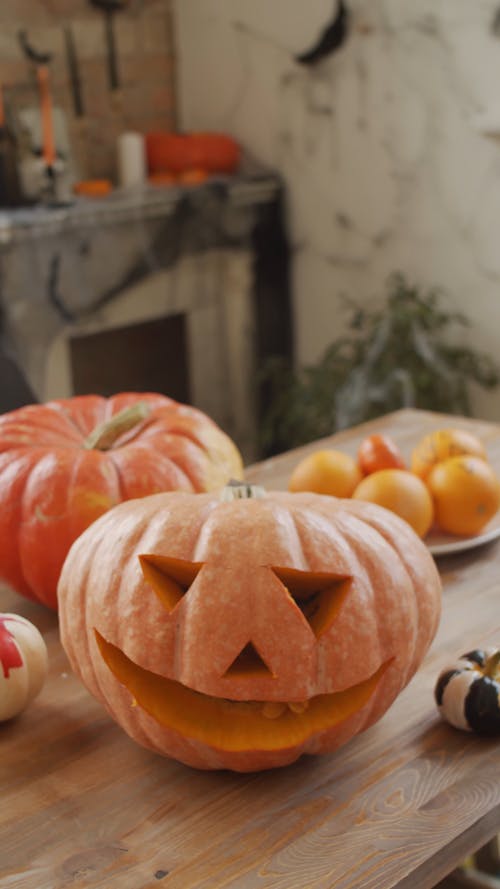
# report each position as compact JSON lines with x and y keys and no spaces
{"x":65,"y":463}
{"x":180,"y":152}
{"x":242,"y":629}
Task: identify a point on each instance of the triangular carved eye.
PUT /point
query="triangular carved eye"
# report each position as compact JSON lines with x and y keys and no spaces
{"x":248,"y":664}
{"x":170,"y":578}
{"x":318,"y":594}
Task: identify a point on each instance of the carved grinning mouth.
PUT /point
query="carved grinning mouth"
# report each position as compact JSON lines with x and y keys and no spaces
{"x":234,"y":725}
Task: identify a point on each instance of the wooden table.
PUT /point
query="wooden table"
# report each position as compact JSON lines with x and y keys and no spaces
{"x":400,"y":805}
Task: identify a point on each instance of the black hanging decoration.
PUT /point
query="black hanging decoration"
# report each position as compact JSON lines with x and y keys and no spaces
{"x":331,"y":38}
{"x":495,"y":23}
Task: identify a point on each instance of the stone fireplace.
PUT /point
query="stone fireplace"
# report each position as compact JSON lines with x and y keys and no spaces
{"x":181,"y":291}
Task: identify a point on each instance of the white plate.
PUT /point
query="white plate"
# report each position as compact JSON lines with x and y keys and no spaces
{"x":444,"y":544}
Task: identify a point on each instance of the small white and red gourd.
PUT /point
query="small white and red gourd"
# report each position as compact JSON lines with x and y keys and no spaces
{"x":23,"y":664}
{"x":243,"y":628}
{"x":467,"y":693}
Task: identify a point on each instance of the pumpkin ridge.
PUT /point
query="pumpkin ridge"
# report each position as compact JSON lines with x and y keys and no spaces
{"x":105,"y":493}
{"x":178,"y":431}
{"x":55,"y":510}
{"x":401,"y":552}
{"x":89,"y":660}
{"x":154,"y":428}
{"x":79,"y":611}
{"x":79,"y":459}
{"x":182,"y":471}
{"x":138,"y":448}
{"x":188,"y":471}
{"x":116,"y":597}
{"x":300,"y":541}
{"x":110,"y":460}
{"x":412,"y":600}
{"x":15,"y":541}
{"x":354,"y":524}
{"x":337,"y":538}
{"x":66,"y":408}
{"x":63,"y":412}
{"x":25,"y":555}
{"x":60,"y":438}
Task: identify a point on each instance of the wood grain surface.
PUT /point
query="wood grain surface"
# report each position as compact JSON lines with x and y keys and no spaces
{"x":399,"y":806}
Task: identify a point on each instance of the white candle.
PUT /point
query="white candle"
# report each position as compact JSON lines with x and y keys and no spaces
{"x":131,"y":159}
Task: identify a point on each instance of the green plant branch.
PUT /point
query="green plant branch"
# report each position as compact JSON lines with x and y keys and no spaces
{"x":401,"y":355}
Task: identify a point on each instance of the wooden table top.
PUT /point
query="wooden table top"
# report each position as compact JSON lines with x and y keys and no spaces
{"x":399,"y":806}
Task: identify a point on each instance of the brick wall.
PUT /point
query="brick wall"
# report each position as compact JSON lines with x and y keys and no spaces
{"x":145,"y":59}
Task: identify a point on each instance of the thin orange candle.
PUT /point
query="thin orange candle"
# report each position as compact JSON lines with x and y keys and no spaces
{"x":48,"y":140}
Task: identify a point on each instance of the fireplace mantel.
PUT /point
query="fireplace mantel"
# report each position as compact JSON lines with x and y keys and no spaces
{"x":237,"y":193}
{"x":62,"y":267}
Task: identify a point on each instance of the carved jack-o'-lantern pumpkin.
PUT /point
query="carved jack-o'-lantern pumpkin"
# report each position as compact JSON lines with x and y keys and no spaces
{"x":240,"y":630}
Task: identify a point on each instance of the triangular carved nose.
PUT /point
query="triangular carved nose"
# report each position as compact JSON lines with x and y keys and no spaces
{"x":248,"y":664}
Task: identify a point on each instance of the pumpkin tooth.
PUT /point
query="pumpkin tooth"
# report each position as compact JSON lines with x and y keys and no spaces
{"x":273,"y":709}
{"x":298,"y":706}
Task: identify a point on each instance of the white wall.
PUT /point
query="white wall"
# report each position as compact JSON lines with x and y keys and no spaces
{"x":380,"y":145}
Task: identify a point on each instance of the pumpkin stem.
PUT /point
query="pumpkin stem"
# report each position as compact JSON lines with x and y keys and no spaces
{"x":104,"y":436}
{"x":492,"y":666}
{"x":238,"y":490}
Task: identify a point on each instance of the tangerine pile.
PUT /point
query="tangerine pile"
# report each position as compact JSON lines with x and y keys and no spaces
{"x":449,"y":483}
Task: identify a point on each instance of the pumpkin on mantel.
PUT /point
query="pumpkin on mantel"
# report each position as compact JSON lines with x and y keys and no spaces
{"x":64,"y":463}
{"x":243,"y":628}
{"x":181,"y":152}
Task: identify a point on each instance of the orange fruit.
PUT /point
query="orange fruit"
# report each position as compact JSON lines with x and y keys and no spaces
{"x":466,"y":494}
{"x":442,"y":444}
{"x":192,"y":177}
{"x":403,"y":493}
{"x":379,"y":452}
{"x":326,"y":472}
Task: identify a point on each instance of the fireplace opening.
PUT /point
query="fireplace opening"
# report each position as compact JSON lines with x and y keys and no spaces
{"x":149,"y":356}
